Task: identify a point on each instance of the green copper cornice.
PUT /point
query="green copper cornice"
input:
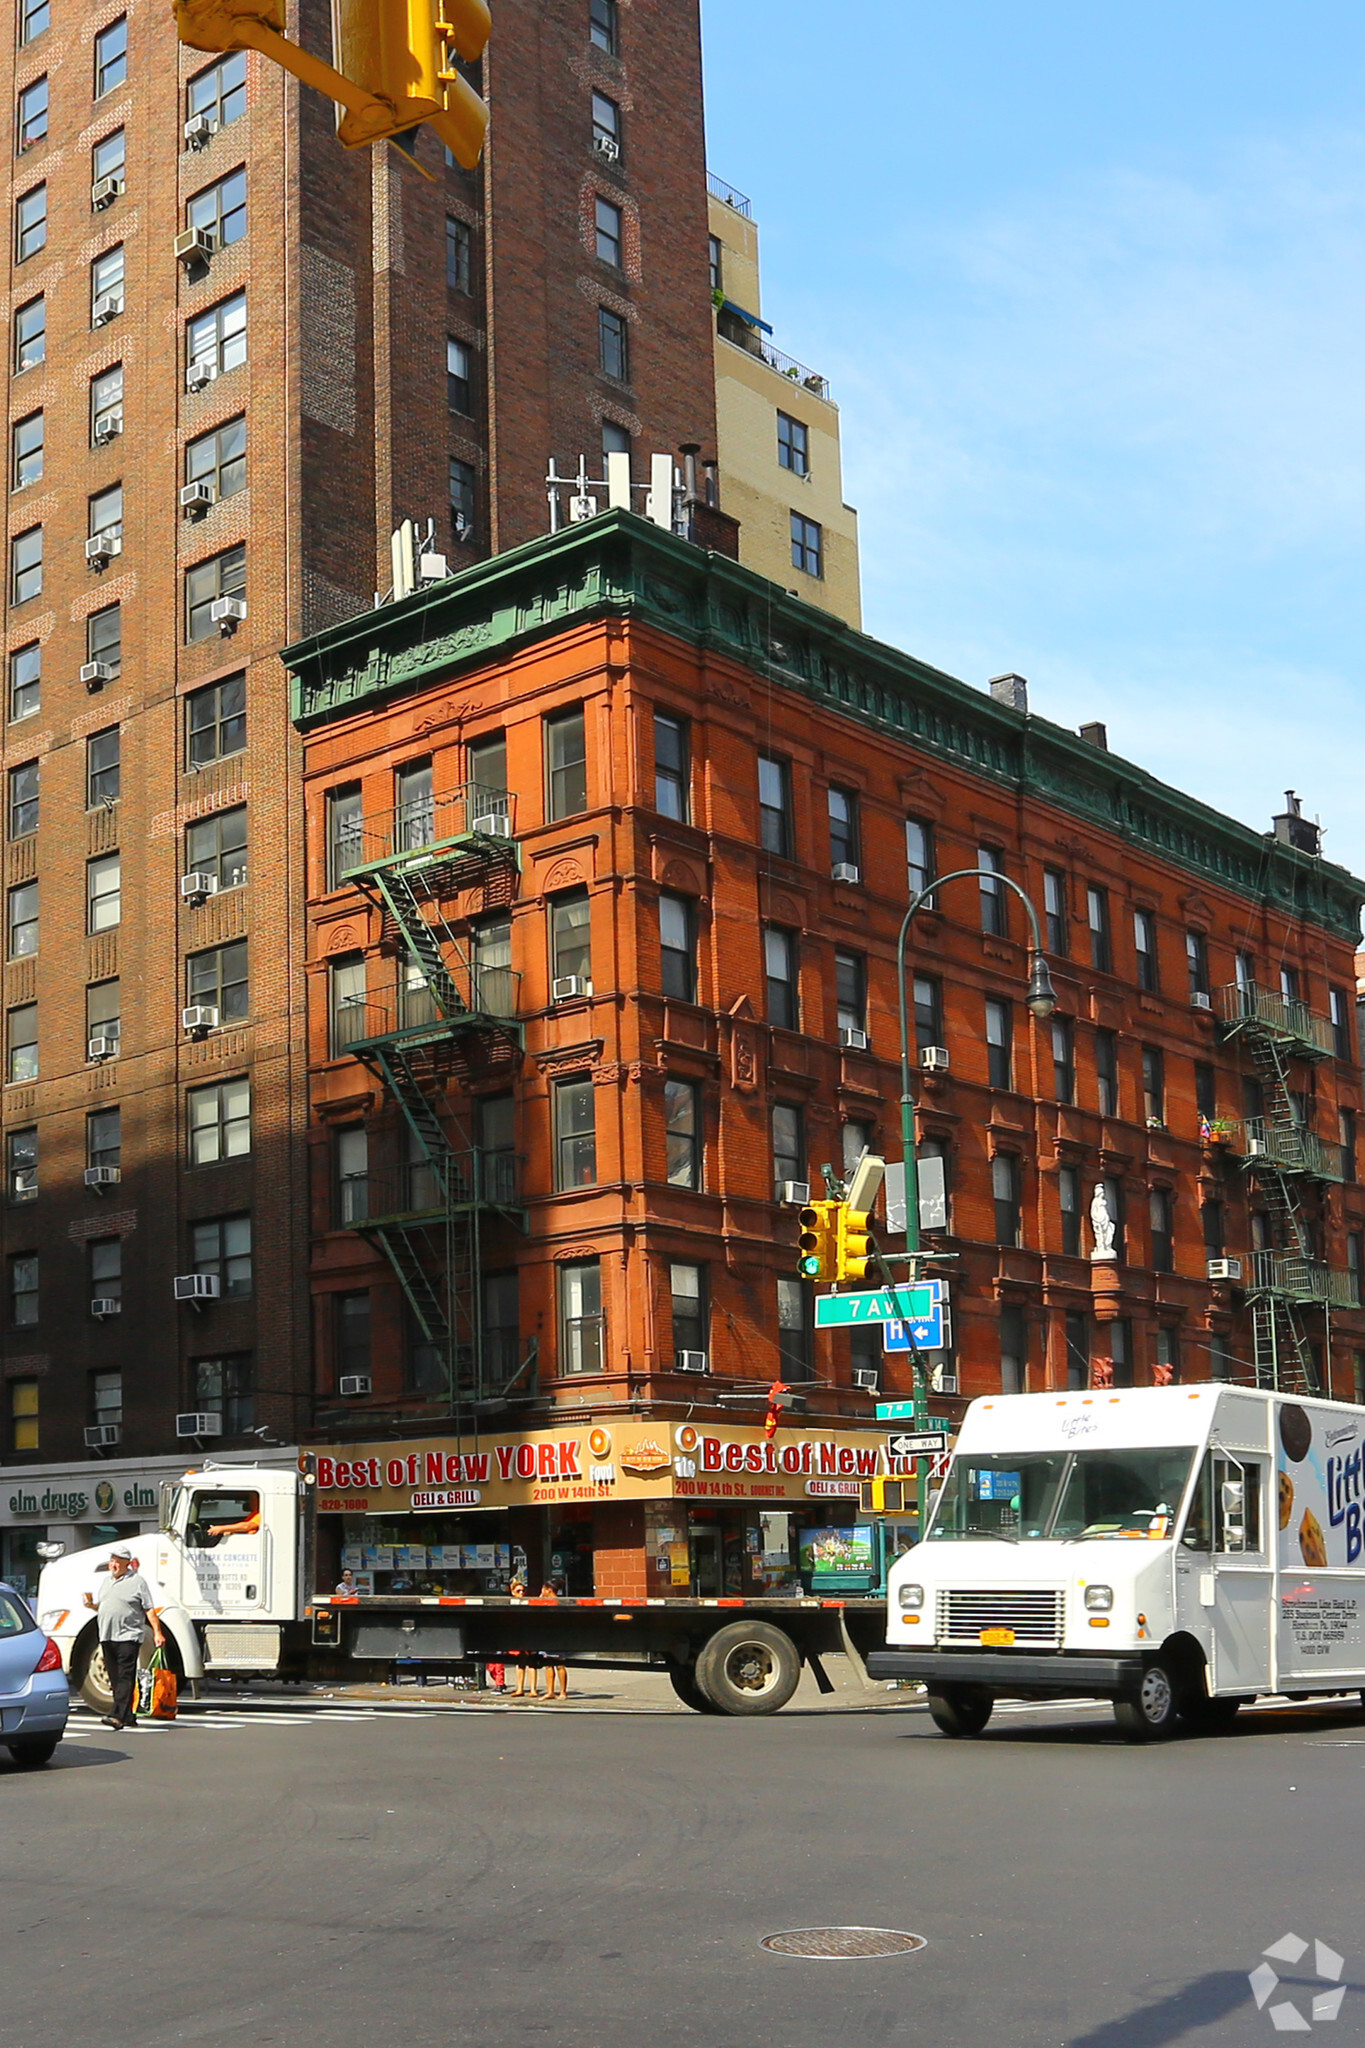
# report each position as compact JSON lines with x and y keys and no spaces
{"x":620,"y":565}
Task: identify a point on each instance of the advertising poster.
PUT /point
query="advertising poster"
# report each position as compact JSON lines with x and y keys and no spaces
{"x":1318,"y":1507}
{"x":836,"y":1550}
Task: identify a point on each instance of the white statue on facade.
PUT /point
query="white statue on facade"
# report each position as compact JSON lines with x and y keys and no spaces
{"x":1101,"y":1223}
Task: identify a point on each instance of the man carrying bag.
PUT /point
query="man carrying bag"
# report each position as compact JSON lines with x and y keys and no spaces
{"x":124,"y":1610}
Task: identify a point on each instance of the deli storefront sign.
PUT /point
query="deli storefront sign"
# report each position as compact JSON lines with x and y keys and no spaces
{"x":612,"y":1460}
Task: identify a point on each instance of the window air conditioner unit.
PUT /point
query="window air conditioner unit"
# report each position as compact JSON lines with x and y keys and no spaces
{"x":105,"y":191}
{"x":866,"y":1378}
{"x":199,"y":1425}
{"x":102,"y":1176}
{"x":942,"y":1381}
{"x":200,"y":130}
{"x":1256,"y":1148}
{"x":199,"y":1017}
{"x":852,"y":1039}
{"x":565,"y":986}
{"x":794,"y":1193}
{"x":197,"y":1286}
{"x":102,"y":547}
{"x":101,"y":1047}
{"x":194,"y":888}
{"x":1200,"y":1000}
{"x":102,"y":1436}
{"x":199,"y":375}
{"x":934,"y":1059}
{"x":354,"y":1383}
{"x":105,"y":1305}
{"x":689,"y":1361}
{"x":607,"y":146}
{"x":1224,"y":1269}
{"x":108,"y":428}
{"x":227,"y":613}
{"x":493,"y":825}
{"x":846,"y":871}
{"x":194,"y":245}
{"x":95,"y":674}
{"x":107,"y":307}
{"x":197,"y":497}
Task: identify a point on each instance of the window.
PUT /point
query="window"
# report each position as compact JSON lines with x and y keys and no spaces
{"x":221,"y":576}
{"x":1097,"y":920}
{"x":1144,"y":941}
{"x":1339,"y":1010}
{"x":26,"y":451}
{"x":459,"y":388}
{"x":1055,"y":911}
{"x":1119,"y":1336}
{"x":1355,"y":1263}
{"x":220,"y":92}
{"x":21,"y":1043}
{"x":501,"y":1327}
{"x":216,"y":846}
{"x":774,"y":806}
{"x":1069,"y":1198}
{"x":571,"y":939}
{"x":219,"y":211}
{"x":34,"y":16}
{"x":850,"y":991}
{"x":1077,"y":1349}
{"x":107,"y":284}
{"x":580,"y":1317}
{"x":23,"y":1290}
{"x":351,"y":1174}
{"x":1107,"y":1072}
{"x":575,"y":1135}
{"x":23,"y":1414}
{"x":103,"y":1012}
{"x":793,"y":445}
{"x":218,"y":336}
{"x":464,"y":497}
{"x":999,"y":1042}
{"x":486,"y":768}
{"x":30,"y":223}
{"x":26,"y":565}
{"x":343,"y":832}
{"x":609,"y":233}
{"x":25,"y":681}
{"x":1161,"y":1218}
{"x":808,"y":545}
{"x":219,"y":1122}
{"x":1064,"y":1059}
{"x":218,"y":977}
{"x":421,"y":1192}
{"x":678,"y":948}
{"x":606,"y":126}
{"x":103,"y":893}
{"x":1013,"y":1351}
{"x":671,"y":766}
{"x":102,"y":768}
{"x":682,"y":1129}
{"x":793,"y":1330}
{"x":928,"y":994}
{"x":221,"y":1246}
{"x":23,"y":800}
{"x":104,"y":638}
{"x":615,"y":440}
{"x":919,"y":854}
{"x":1166,"y":1366}
{"x":691,"y":1309}
{"x":1005,"y":1177}
{"x":21,"y":1148}
{"x":1244,"y":970}
{"x":1289,"y":983}
{"x":104,"y":512}
{"x":1205,"y":1089}
{"x":106,"y":1269}
{"x":30,"y":335}
{"x":854,"y":1140}
{"x":497,"y":1138}
{"x":994,"y":915}
{"x":1197,"y":959}
{"x":111,"y":56}
{"x":106,"y":1399}
{"x":109,"y":158}
{"x":779,"y":966}
{"x":459,"y":255}
{"x":1153,"y":1085}
{"x":223,"y":1386}
{"x":843,"y":828}
{"x":22,"y":920}
{"x":351,"y":1331}
{"x":566,"y":759}
{"x":490,"y":951}
{"x":613,"y":344}
{"x":219,"y":459}
{"x":603,"y":25}
{"x":717,"y":259}
{"x":31,"y":123}
{"x":789,"y":1145}
{"x":104,"y":1138}
{"x":1346,"y":1137}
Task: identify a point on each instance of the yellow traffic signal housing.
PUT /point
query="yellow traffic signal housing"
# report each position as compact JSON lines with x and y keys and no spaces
{"x":853,"y":1247}
{"x":817,"y":1240}
{"x":402,"y":53}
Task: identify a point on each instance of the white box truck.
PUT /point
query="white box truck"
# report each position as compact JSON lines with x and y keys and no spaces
{"x":1176,"y":1550}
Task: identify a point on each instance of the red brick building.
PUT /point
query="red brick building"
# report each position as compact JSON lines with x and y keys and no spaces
{"x":608,"y":844}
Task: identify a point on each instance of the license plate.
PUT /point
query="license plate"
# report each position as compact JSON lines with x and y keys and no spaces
{"x":998,"y":1638}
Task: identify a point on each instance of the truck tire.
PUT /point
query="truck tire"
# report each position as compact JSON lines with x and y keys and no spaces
{"x":748,"y":1667}
{"x":34,"y":1751}
{"x":1153,"y":1710}
{"x":88,"y":1670}
{"x":961,"y":1710}
{"x":684,"y":1681}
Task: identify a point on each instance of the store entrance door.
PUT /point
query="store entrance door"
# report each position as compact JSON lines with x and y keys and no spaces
{"x":705,"y":1552}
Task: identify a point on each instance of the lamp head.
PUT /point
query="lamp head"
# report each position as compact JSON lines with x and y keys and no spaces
{"x":1042,"y":996}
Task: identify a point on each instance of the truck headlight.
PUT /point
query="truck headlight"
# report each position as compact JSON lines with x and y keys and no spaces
{"x":911,"y":1597}
{"x":1101,"y":1597}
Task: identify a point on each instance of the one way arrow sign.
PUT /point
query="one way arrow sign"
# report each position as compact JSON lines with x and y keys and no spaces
{"x":923,"y":1443}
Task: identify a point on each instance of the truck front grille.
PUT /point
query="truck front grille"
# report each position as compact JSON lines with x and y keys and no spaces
{"x":1034,"y":1613}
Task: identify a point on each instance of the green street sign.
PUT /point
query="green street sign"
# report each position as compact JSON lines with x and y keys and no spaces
{"x":886,"y":1305}
{"x":904,"y":1411}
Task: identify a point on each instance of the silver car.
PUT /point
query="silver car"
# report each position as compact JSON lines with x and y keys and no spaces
{"x":34,"y":1697}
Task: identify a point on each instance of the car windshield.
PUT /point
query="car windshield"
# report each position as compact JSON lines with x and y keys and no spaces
{"x":15,"y":1619}
{"x":1062,"y":1494}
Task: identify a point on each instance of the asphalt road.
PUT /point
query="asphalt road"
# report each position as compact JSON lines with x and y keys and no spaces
{"x":360,"y":1878}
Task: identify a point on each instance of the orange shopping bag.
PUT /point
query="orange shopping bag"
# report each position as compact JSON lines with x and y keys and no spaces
{"x":164,"y":1688}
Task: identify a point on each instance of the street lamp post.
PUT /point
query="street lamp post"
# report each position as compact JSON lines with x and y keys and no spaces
{"x":1042,"y":1001}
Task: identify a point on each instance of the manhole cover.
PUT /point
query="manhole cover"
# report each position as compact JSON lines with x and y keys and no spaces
{"x":842,"y":1944}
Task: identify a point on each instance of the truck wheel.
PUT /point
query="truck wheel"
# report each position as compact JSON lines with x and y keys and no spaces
{"x":748,"y":1667}
{"x":37,"y":1750}
{"x":92,"y":1676}
{"x":961,"y":1710}
{"x":1151,"y":1711}
{"x":684,"y":1682}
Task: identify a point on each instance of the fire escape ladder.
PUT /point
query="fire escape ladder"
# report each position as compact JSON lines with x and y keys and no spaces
{"x":405,"y":908}
{"x":1281,"y":1351}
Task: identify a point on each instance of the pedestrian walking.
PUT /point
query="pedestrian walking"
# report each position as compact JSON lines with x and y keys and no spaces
{"x":555,"y":1673}
{"x":517,"y":1591}
{"x":124,"y":1610}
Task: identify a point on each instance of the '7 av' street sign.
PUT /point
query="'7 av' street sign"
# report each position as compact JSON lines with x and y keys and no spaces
{"x":886,"y":1305}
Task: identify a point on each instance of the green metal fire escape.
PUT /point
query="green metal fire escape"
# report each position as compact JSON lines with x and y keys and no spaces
{"x":1287,"y":1159}
{"x":453,"y":1023}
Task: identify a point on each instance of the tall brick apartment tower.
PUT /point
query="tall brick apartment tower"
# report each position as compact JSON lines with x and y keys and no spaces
{"x":211,"y":437}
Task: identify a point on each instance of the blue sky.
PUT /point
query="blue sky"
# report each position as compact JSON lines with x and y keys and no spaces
{"x":1088,"y":283}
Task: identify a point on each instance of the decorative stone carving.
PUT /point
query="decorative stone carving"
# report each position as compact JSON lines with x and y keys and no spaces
{"x":678,"y":875}
{"x":565,"y":874}
{"x":1101,"y":1223}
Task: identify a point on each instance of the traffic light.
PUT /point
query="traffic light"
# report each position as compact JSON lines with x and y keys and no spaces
{"x":853,"y":1247}
{"x":817,"y":1240}
{"x":402,"y":53}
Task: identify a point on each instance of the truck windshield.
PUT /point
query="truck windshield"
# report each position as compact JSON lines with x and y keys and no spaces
{"x":1063,"y":1494}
